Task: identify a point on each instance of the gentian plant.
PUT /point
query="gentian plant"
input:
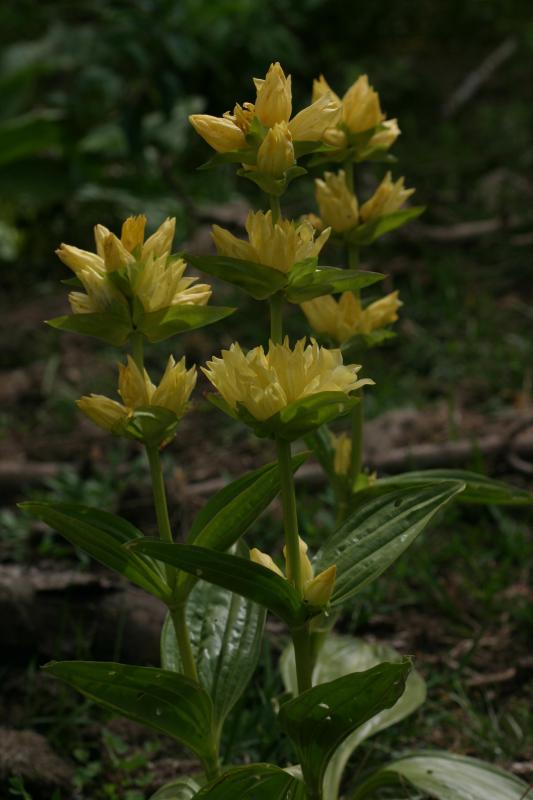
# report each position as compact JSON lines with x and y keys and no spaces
{"x":218,"y":586}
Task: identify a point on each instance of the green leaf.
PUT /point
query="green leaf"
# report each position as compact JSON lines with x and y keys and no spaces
{"x":378,"y":532}
{"x":268,"y":183}
{"x":365,"y":341}
{"x":103,"y":535}
{"x":258,"y":280}
{"x":226,"y":633}
{"x":446,"y":776}
{"x":254,"y":782}
{"x":29,"y":134}
{"x":320,"y":719}
{"x":160,"y":325}
{"x":149,"y":424}
{"x":328,"y":280}
{"x":237,"y":574}
{"x":180,"y":789}
{"x":370,"y":231}
{"x":479,"y":488}
{"x":162,"y":700}
{"x":301,"y":417}
{"x":244,"y":156}
{"x":321,"y":443}
{"x":229,"y":513}
{"x":343,"y":655}
{"x":113,"y":326}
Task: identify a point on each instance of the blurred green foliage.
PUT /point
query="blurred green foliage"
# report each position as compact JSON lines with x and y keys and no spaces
{"x":95,"y":98}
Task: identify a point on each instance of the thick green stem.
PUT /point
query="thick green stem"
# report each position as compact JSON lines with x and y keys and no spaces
{"x":137,"y":348}
{"x":276,"y":318}
{"x":290,"y":517}
{"x":160,"y":498}
{"x":182,"y":637}
{"x":303,"y":656}
{"x":275,"y":207}
{"x":356,"y":460}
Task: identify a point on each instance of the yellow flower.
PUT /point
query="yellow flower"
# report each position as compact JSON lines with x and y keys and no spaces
{"x":279,"y":244}
{"x":221,"y":133}
{"x":265,"y":383}
{"x":273,"y":105}
{"x":359,"y":111}
{"x":137,"y":391}
{"x":274,"y":96}
{"x":159,"y":283}
{"x":341,"y":319}
{"x":317,"y":589}
{"x":342,"y":446}
{"x":276,"y":153}
{"x":337,"y":204}
{"x":388,"y":198}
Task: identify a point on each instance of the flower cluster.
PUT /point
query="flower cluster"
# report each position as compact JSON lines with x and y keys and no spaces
{"x":344,"y":318}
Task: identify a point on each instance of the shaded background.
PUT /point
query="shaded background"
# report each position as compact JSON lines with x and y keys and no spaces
{"x":93,"y":127}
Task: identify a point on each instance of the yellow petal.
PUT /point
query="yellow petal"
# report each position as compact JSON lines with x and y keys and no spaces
{"x":175,"y":387}
{"x":222,"y":134}
{"x":337,"y":204}
{"x":318,"y":591}
{"x":160,"y":242}
{"x":276,"y":153}
{"x":306,"y":568}
{"x":265,"y":561}
{"x":103,"y":411}
{"x":132,"y":235}
{"x":77,"y":259}
{"x":134,"y":386}
{"x":274,"y":97}
{"x":310,"y":123}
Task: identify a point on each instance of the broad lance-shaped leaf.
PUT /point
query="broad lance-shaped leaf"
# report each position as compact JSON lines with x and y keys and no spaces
{"x":112,"y":327}
{"x":479,"y":488}
{"x":255,"y":782}
{"x":327,"y":280}
{"x":167,"y":702}
{"x":370,"y":231}
{"x":160,"y":325}
{"x":180,"y":789}
{"x":446,"y":776}
{"x":320,"y":719}
{"x":378,"y":532}
{"x":343,"y":655}
{"x":239,"y":575}
{"x":257,"y":279}
{"x":226,"y":632}
{"x":103,"y":536}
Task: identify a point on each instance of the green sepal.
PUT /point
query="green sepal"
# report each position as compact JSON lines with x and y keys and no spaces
{"x":165,"y":701}
{"x":151,"y":425}
{"x":306,"y":148}
{"x":257,"y":280}
{"x":320,"y":719}
{"x":269,"y":184}
{"x":102,"y":535}
{"x":254,"y":782}
{"x":256,"y":132}
{"x":239,"y":575}
{"x":165,"y":322}
{"x":74,"y":282}
{"x":365,"y":341}
{"x":112,"y":326}
{"x":479,"y":488}
{"x":307,"y":285}
{"x":356,"y":146}
{"x":376,"y":534}
{"x":125,"y":278}
{"x":368,"y":232}
{"x":446,"y":776}
{"x":295,"y":420}
{"x":248,"y":155}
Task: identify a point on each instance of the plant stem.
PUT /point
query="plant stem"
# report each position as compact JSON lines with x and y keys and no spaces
{"x":349,"y":175}
{"x":356,"y":461}
{"x":276,"y":318}
{"x":303,"y":656}
{"x":353,"y":259}
{"x":275,"y":207}
{"x":182,"y":637}
{"x":137,"y":348}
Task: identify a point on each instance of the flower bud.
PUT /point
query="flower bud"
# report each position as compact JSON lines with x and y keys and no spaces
{"x":310,"y":123}
{"x":276,"y":153}
{"x":385,"y":138}
{"x":306,"y":568}
{"x":318,"y":591}
{"x":337,"y":204}
{"x":134,"y":386}
{"x":115,"y":254}
{"x":388,"y":198}
{"x":360,"y":107}
{"x":321,"y":87}
{"x":265,"y":561}
{"x":335,"y":137}
{"x":221,"y":133}
{"x":274,"y":96}
{"x":103,"y":411}
{"x":132,"y":234}
{"x":175,"y":387}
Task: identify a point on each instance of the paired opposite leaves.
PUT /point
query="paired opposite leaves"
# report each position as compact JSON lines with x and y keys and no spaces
{"x":103,"y":536}
{"x":378,"y":532}
{"x":165,"y":701}
{"x":318,"y":720}
{"x":256,"y":279}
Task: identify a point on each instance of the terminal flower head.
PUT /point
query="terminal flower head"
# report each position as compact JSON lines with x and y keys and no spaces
{"x":266,"y":383}
{"x":317,"y":589}
{"x":344,"y":318}
{"x":388,"y":198}
{"x":337,"y":204}
{"x":137,"y":391}
{"x":279,"y":244}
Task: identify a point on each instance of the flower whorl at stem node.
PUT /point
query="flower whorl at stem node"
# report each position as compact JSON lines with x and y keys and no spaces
{"x":388,"y":198}
{"x":337,"y":204}
{"x":344,"y":318}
